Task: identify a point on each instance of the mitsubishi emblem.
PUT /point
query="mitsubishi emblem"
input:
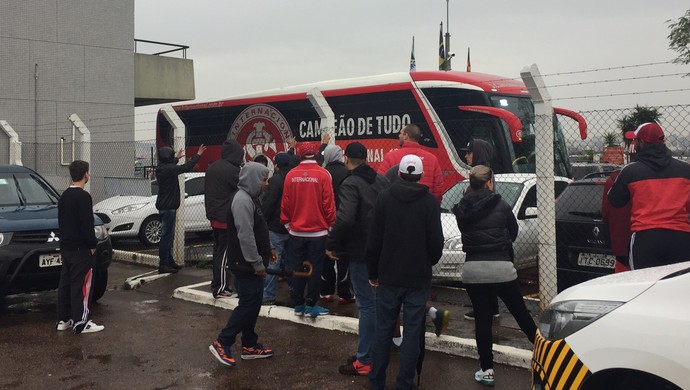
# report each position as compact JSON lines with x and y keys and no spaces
{"x":595,"y":231}
{"x":53,"y":237}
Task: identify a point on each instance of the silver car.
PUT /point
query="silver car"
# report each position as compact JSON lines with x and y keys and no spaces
{"x":520,"y":191}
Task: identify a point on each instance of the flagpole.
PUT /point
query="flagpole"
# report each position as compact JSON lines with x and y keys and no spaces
{"x":448,"y":56}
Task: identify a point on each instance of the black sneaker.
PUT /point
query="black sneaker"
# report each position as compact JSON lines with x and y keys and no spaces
{"x":470,"y":315}
{"x":167,"y":270}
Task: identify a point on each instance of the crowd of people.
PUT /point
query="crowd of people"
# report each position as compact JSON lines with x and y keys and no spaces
{"x":371,"y":237}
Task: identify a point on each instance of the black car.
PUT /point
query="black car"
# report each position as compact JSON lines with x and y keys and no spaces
{"x":583,"y":246}
{"x":30,"y":239}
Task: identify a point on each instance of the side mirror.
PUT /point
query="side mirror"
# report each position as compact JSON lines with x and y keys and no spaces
{"x":531,"y":213}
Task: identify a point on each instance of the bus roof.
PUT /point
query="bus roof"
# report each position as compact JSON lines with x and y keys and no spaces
{"x":468,"y":80}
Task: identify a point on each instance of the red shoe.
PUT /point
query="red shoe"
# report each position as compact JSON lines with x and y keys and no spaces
{"x":327,"y":298}
{"x":345,"y":301}
{"x":355,"y":368}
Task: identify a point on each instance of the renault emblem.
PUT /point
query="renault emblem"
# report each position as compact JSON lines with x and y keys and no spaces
{"x":595,"y":231}
{"x":53,"y":237}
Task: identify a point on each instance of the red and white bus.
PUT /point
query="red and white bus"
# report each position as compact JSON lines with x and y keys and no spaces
{"x":450,"y":107}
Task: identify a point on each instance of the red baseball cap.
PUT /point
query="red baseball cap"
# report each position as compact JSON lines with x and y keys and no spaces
{"x":307,"y":149}
{"x":650,"y":133}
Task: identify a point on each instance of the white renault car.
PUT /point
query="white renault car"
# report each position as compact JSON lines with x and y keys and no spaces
{"x":629,"y":330}
{"x":519,"y":190}
{"x":137,"y":216}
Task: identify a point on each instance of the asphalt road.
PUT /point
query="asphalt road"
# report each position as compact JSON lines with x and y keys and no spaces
{"x":152,"y":341}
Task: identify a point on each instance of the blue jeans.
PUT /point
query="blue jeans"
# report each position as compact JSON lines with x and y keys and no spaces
{"x":278,"y":242}
{"x":365,"y":296}
{"x":165,"y":258}
{"x":297,"y":250}
{"x":243,"y":318}
{"x":389,"y":299}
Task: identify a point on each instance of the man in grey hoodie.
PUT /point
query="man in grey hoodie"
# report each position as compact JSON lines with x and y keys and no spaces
{"x":248,"y":253}
{"x":220,"y":182}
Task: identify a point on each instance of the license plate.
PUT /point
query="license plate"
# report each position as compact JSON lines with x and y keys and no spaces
{"x":596,"y":260}
{"x":52,"y":260}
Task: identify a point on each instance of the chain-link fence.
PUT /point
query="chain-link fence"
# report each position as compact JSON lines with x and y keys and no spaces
{"x":122,"y":177}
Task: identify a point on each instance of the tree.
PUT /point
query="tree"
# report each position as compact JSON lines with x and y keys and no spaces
{"x":642,"y":114}
{"x":679,"y":38}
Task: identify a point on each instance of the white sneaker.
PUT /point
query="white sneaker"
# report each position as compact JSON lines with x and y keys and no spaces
{"x":92,"y":327}
{"x":65,"y":325}
{"x":485,"y":377}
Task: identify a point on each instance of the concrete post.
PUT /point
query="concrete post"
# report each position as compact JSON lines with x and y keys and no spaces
{"x":325,"y":112}
{"x":179,"y":143}
{"x":84,"y":139}
{"x":543,"y":129}
{"x":15,"y":144}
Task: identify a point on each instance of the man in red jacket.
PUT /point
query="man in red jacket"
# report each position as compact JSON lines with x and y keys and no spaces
{"x":409,"y":144}
{"x":658,"y":186}
{"x":308,"y":211}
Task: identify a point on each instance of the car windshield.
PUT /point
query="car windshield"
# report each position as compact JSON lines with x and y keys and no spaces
{"x":580,"y":201}
{"x":509,"y":191}
{"x":25,"y":189}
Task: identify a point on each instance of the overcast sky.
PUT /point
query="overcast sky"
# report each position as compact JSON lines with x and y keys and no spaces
{"x":247,"y":46}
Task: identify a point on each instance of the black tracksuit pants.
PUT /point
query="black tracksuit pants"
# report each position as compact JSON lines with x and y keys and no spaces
{"x":74,"y":289}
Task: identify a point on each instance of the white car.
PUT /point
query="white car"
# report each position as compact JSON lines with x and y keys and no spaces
{"x":137,"y":216}
{"x":621,"y":331}
{"x":519,"y":190}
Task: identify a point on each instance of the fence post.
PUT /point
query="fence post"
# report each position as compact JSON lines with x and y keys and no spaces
{"x":543,"y":129}
{"x":15,"y":144}
{"x":85,"y":140}
{"x":179,"y":142}
{"x":325,"y":112}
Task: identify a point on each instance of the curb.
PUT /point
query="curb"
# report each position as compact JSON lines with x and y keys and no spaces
{"x":451,"y":345}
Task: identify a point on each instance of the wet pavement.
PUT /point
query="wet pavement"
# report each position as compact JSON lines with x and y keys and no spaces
{"x":153,"y":341}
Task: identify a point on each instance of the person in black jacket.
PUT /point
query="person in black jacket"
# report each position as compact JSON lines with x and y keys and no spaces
{"x":405,"y":241}
{"x":488,"y":228}
{"x":77,"y":247}
{"x":249,"y":251}
{"x":358,"y":193}
{"x":168,"y":201}
{"x":277,"y":233}
{"x":220,"y":182}
{"x":333,"y":162}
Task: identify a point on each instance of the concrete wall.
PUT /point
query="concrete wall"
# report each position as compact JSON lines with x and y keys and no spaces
{"x":160,"y":79}
{"x":83,"y":53}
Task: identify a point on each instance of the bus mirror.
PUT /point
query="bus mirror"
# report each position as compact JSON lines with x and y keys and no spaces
{"x":514,"y":124}
{"x":581,"y":122}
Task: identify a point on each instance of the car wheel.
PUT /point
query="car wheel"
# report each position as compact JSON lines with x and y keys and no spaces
{"x":100,"y":283}
{"x":150,"y":231}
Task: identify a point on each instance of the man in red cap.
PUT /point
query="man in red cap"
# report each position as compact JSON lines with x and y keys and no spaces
{"x":307,"y":209}
{"x":658,"y":186}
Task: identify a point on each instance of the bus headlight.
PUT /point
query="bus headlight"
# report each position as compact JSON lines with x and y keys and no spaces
{"x":562,"y":319}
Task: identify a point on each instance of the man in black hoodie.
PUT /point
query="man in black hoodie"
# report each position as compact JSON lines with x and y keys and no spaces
{"x":168,"y":201}
{"x":220,"y":182}
{"x":658,"y":186}
{"x":358,"y":193}
{"x":405,"y":242}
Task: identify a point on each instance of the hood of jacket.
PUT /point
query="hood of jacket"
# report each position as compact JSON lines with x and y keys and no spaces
{"x":252,"y":175}
{"x":332,"y":153}
{"x":406,"y":191}
{"x":232,"y":152}
{"x":166,"y":155}
{"x":365,"y":172}
{"x":476,"y":205}
{"x":655,"y":156}
{"x":481,"y":153}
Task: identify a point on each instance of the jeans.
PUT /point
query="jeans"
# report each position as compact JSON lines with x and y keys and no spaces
{"x":389,"y":299}
{"x":278,"y":242}
{"x":165,"y":258}
{"x":482,"y":297}
{"x":299,"y":249}
{"x":366,"y":304}
{"x":243,"y":318}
